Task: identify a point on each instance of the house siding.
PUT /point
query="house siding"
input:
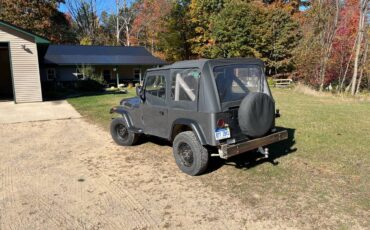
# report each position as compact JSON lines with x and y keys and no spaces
{"x":63,"y":73}
{"x":24,"y":65}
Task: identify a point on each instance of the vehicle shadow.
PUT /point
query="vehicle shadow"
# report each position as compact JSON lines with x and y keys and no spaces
{"x":253,"y":158}
{"x":153,"y":139}
{"x":69,"y":93}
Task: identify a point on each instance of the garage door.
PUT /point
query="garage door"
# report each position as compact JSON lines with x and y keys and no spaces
{"x":6,"y":84}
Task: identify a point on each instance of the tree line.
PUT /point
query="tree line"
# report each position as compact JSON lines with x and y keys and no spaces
{"x":323,"y":43}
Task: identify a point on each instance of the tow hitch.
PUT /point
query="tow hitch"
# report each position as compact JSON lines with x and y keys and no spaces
{"x":264,"y":152}
{"x":229,"y":150}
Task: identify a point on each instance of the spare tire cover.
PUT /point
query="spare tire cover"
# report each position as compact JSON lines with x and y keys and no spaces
{"x":256,"y":114}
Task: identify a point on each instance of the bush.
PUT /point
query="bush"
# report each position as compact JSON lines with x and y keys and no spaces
{"x":130,"y":85}
{"x":90,"y":85}
{"x":57,"y":90}
{"x":93,"y":82}
{"x":270,"y":82}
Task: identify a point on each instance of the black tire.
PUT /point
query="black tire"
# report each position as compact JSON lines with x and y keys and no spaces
{"x":256,"y":114}
{"x":120,"y":134}
{"x":191,"y":157}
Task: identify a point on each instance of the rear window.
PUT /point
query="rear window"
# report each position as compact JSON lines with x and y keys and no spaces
{"x":234,"y":82}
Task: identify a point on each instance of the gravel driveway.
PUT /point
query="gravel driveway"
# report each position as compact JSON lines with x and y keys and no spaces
{"x":68,"y":174}
{"x":38,"y":111}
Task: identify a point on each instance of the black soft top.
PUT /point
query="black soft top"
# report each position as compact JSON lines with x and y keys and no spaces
{"x":200,"y":63}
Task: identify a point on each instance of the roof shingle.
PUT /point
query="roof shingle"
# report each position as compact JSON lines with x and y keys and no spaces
{"x":100,"y":55}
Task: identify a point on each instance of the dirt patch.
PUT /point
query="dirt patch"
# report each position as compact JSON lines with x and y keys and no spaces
{"x":68,"y":174}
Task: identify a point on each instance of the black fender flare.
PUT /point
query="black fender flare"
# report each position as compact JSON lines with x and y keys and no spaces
{"x":123,"y":112}
{"x":195,"y":127}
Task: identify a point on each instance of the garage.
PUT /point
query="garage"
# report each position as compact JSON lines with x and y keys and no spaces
{"x":19,"y":63}
{"x":6,"y":84}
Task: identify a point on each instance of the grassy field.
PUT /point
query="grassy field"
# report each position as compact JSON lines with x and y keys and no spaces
{"x":95,"y":108}
{"x":320,"y":178}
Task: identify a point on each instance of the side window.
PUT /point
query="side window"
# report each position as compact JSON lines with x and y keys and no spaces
{"x":184,"y":86}
{"x":155,"y":88}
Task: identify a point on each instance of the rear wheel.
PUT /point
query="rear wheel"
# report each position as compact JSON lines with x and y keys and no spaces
{"x":191,"y":157}
{"x":120,"y":133}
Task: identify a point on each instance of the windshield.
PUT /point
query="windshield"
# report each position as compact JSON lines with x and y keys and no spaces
{"x":235,"y":81}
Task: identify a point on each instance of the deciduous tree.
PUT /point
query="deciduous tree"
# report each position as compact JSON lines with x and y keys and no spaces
{"x":202,"y":12}
{"x":40,"y":17}
{"x":174,"y":42}
{"x":244,"y":29}
{"x":84,"y":14}
{"x":320,"y":25}
{"x":148,"y":25}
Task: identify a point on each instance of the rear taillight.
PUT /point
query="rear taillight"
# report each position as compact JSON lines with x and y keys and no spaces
{"x":220,"y":123}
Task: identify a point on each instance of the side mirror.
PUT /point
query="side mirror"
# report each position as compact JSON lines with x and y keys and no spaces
{"x":277,"y":114}
{"x":140,"y":92}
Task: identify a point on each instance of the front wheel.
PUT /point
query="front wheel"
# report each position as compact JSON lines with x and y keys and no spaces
{"x":120,"y":133}
{"x":191,"y":157}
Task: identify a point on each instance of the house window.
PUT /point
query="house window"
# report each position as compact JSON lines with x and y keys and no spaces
{"x":137,"y":73}
{"x":107,"y":75}
{"x":79,"y":74}
{"x":51,"y":74}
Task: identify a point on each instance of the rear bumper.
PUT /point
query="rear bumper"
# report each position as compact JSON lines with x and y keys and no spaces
{"x":226,"y":151}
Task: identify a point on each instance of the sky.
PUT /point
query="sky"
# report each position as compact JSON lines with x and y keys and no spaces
{"x":102,"y":5}
{"x":109,"y":6}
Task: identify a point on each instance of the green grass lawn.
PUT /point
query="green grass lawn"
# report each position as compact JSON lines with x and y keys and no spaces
{"x":319,"y":179}
{"x":96,"y":108}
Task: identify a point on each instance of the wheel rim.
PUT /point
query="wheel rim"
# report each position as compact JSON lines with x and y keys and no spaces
{"x":186,"y":154}
{"x":122,"y":132}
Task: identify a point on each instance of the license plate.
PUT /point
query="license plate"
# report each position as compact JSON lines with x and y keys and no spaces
{"x":221,"y":134}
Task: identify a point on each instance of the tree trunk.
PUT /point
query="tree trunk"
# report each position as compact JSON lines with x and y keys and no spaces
{"x":363,"y":66}
{"x":323,"y":71}
{"x":127,"y":21}
{"x":152,"y":45}
{"x":127,"y":36}
{"x":347,"y":67}
{"x":328,"y":44}
{"x":363,"y":9}
{"x":341,"y":69}
{"x":118,"y":31}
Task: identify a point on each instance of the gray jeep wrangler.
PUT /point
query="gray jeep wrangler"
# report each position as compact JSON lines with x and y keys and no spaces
{"x":199,"y":105}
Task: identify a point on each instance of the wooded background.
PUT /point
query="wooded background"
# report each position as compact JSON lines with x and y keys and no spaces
{"x":323,"y":43}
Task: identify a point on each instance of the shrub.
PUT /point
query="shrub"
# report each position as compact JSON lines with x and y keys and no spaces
{"x":90,"y":85}
{"x":92,"y":82}
{"x":271,"y":82}
{"x":130,"y":85}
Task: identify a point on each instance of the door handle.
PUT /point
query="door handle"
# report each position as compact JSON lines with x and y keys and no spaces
{"x":161,"y":113}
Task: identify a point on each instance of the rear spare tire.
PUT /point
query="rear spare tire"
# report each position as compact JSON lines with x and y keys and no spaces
{"x":256,"y":114}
